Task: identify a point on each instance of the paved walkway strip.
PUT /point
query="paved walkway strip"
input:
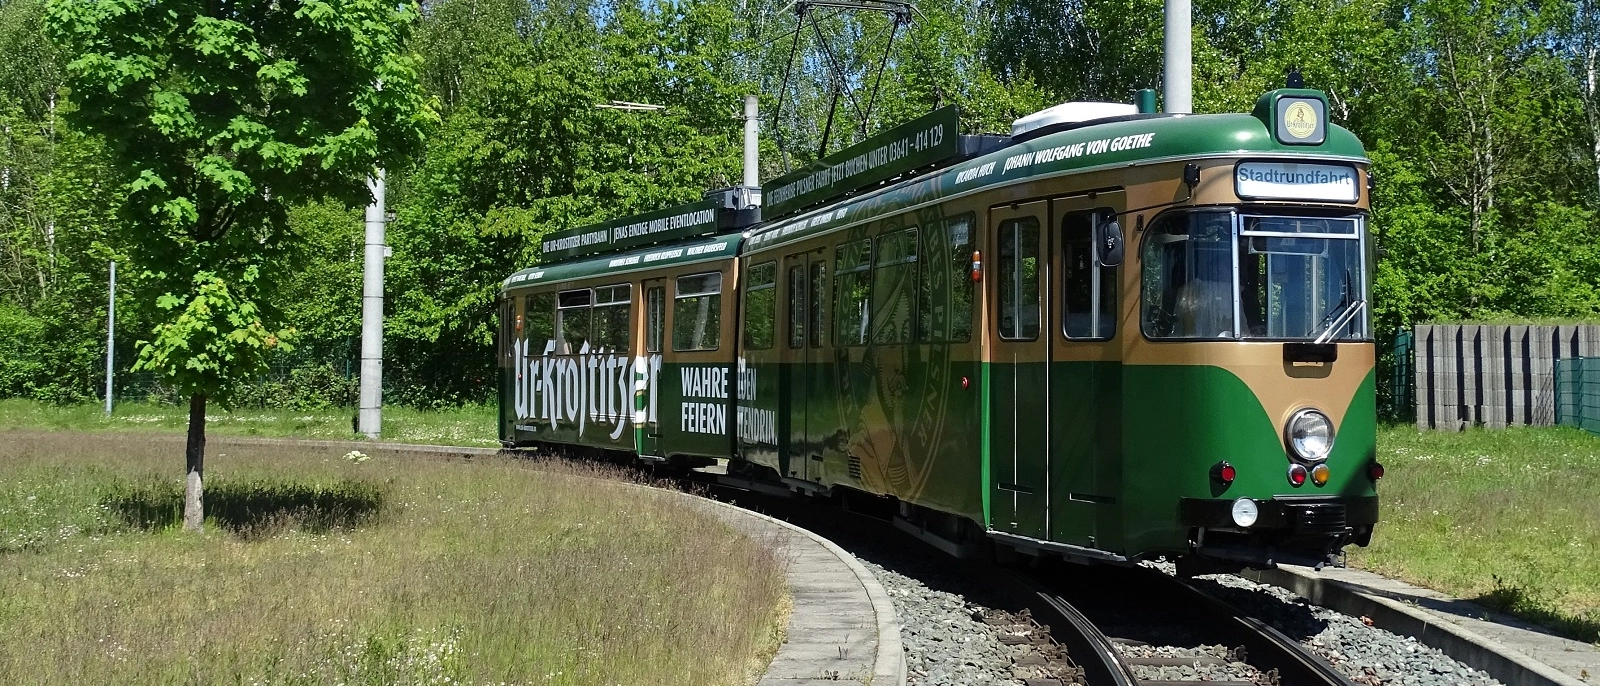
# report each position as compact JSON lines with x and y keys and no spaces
{"x":1515,"y":652}
{"x":843,"y":627}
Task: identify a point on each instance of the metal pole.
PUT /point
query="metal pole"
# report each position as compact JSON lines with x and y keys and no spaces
{"x":752,"y":142}
{"x":111,"y":334}
{"x":370,"y":420}
{"x":1178,"y":64}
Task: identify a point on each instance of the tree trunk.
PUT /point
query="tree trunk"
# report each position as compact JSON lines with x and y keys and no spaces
{"x":193,"y":511}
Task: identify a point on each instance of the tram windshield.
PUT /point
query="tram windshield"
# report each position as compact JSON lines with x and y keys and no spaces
{"x":1233,"y":275}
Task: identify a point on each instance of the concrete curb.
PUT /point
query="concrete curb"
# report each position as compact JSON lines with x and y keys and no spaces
{"x":889,"y":666}
{"x":1500,"y":661}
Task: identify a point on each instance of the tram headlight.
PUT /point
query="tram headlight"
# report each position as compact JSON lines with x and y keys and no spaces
{"x":1310,"y":435}
{"x":1245,"y":512}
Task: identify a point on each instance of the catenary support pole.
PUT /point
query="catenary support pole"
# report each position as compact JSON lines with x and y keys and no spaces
{"x":1178,"y":62}
{"x":371,"y":417}
{"x":752,"y":142}
{"x":111,"y":334}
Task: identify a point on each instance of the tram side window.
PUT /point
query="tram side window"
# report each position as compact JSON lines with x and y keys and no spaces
{"x":697,"y":312}
{"x":894,"y":282}
{"x":510,"y":326}
{"x":655,"y":308}
{"x":612,"y":307}
{"x":574,"y":320}
{"x":852,"y":285}
{"x":760,"y":308}
{"x":539,"y":321}
{"x":1089,"y":289}
{"x":797,"y":306}
{"x":944,"y":313}
{"x":1018,"y":285}
{"x":814,"y":305}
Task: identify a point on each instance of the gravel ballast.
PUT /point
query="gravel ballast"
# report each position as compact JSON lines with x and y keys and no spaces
{"x":948,"y":642}
{"x":1366,"y":654}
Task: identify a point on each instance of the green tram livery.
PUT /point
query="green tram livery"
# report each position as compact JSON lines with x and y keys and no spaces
{"x":1108,"y":338}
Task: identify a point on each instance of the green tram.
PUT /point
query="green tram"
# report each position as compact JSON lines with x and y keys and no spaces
{"x":1108,"y":338}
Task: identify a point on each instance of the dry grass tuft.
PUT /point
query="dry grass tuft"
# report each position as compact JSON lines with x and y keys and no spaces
{"x":403,"y":569}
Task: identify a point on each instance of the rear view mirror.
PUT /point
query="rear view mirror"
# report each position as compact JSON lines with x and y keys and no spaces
{"x":1108,"y":241}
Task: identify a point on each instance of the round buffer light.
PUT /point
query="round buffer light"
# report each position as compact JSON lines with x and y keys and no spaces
{"x":1310,"y":435}
{"x":1320,"y":474}
{"x":1245,"y":512}
{"x":1224,"y":472}
{"x":1297,"y":475}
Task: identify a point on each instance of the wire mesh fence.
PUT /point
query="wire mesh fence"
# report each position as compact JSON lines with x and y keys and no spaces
{"x":1578,"y":393}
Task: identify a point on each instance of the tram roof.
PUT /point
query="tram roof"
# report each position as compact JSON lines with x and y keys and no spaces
{"x":1138,"y":142}
{"x":707,"y":249}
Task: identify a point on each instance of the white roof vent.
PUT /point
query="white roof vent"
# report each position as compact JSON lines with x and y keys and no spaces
{"x":1071,"y":113}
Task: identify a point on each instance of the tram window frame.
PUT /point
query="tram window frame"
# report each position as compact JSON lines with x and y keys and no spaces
{"x":760,"y":305}
{"x":894,"y":283}
{"x":949,"y":321}
{"x":797,"y":306}
{"x":568,"y":304}
{"x":532,"y":304}
{"x":606,"y":322}
{"x":816,"y":303}
{"x":655,"y":312}
{"x":1012,"y":325}
{"x":1101,"y":308}
{"x":1155,"y":274}
{"x":707,"y":334}
{"x":852,"y":293}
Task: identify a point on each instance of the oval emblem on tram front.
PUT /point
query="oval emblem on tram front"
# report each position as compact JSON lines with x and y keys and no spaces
{"x":1300,"y":119}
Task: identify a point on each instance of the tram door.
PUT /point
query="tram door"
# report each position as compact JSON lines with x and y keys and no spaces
{"x":799,"y":413}
{"x":1086,"y":374}
{"x":647,"y":434}
{"x":1019,"y":379}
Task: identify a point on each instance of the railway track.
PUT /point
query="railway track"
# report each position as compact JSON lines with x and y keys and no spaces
{"x":1100,"y":626}
{"x":1140,"y":627}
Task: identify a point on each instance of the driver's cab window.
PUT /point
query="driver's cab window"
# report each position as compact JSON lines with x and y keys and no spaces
{"x":1188,"y":276}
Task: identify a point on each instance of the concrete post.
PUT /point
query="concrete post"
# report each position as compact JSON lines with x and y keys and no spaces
{"x":111,"y":334}
{"x":1178,"y":62}
{"x":752,"y":141}
{"x":371,"y":417}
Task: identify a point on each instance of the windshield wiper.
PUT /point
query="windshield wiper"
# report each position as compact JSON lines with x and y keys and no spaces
{"x":1347,"y":311}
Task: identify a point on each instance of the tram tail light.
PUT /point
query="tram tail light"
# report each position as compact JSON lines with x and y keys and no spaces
{"x":1320,"y":474}
{"x":977,"y":266}
{"x":1297,"y":475}
{"x":1224,"y":472}
{"x":1375,"y":470}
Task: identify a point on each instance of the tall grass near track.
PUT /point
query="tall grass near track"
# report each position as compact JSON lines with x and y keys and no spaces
{"x":1509,"y":518}
{"x":400,"y":570}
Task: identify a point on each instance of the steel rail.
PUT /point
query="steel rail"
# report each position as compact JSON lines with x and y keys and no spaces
{"x":1282,"y":659}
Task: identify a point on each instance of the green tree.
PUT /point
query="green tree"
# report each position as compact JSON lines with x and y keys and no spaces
{"x":224,"y":116}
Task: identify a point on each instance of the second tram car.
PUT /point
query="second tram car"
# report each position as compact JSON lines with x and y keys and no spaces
{"x":1107,"y":339}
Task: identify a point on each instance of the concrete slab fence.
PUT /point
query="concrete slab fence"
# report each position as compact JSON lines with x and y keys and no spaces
{"x":1493,"y":375}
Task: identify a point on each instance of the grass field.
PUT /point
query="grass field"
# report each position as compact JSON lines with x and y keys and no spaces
{"x":402,"y":569}
{"x":468,"y":425}
{"x":1508,"y":518}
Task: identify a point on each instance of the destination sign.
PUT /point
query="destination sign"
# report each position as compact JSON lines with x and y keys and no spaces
{"x":683,"y":221}
{"x":917,"y":143}
{"x":1291,"y":181}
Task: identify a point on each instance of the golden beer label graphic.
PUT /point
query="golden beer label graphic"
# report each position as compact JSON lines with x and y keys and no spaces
{"x":1300,"y":120}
